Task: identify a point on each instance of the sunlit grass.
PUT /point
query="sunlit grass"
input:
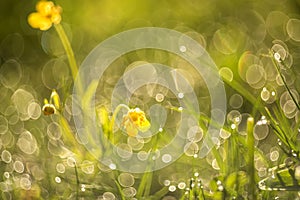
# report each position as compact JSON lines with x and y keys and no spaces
{"x":255,"y":155}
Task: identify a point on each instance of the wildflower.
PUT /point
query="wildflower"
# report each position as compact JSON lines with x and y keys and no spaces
{"x":50,"y":108}
{"x":55,"y":99}
{"x":134,"y":121}
{"x":46,"y":15}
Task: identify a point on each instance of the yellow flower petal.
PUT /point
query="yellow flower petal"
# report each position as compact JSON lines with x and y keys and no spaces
{"x":55,"y":99}
{"x":47,"y":13}
{"x":131,"y":129}
{"x":45,"y":24}
{"x":144,"y":125}
{"x":135,"y":121}
{"x":44,"y":7}
{"x":48,"y":109}
{"x":55,"y":18}
{"x":36,"y":20}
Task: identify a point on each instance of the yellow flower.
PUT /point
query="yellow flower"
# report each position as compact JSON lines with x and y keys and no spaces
{"x":135,"y":121}
{"x":46,"y":15}
{"x":50,"y":108}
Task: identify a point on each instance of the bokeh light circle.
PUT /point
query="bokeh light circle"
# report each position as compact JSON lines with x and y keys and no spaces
{"x":142,"y":75}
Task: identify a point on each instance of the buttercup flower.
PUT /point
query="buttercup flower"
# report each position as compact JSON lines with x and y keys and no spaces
{"x":46,"y":15}
{"x":50,"y":108}
{"x":134,"y":121}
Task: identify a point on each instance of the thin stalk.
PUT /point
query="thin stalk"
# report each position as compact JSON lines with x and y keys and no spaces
{"x":67,"y":46}
{"x":144,"y":188}
{"x":69,"y":51}
{"x":120,"y":190}
{"x":113,"y":118}
{"x":250,"y":144}
{"x":283,"y":80}
{"x":202,"y":191}
{"x":77,"y":182}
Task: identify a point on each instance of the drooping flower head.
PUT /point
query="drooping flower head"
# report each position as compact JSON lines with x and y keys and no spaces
{"x":51,"y":107}
{"x":134,"y":121}
{"x":46,"y":15}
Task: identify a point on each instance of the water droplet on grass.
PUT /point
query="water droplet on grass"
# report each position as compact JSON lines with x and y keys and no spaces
{"x":6,"y":156}
{"x":261,"y":131}
{"x":166,"y":158}
{"x":10,"y":73}
{"x":109,"y":196}
{"x":54,"y":131}
{"x":126,"y":179}
{"x":25,"y":183}
{"x":293,"y":29}
{"x":129,"y":192}
{"x":60,"y":168}
{"x":87,"y":167}
{"x":172,"y":188}
{"x":18,"y":166}
{"x":27,"y":143}
{"x":226,"y":74}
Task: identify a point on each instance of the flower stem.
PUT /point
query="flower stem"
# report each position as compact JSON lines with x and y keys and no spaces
{"x":69,"y":51}
{"x":250,"y":144}
{"x":67,"y":46}
{"x":120,"y":190}
{"x":113,"y":118}
{"x":284,"y":82}
{"x":77,"y":182}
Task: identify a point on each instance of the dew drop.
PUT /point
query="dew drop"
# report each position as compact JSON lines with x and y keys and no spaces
{"x":172,"y":188}
{"x":126,"y":179}
{"x":167,"y":182}
{"x":159,"y":97}
{"x":27,"y":143}
{"x":191,"y":148}
{"x":182,"y":49}
{"x":195,"y":134}
{"x":226,"y":74}
{"x":180,"y":95}
{"x":129,"y":192}
{"x":236,"y":101}
{"x":215,"y":165}
{"x":34,"y":110}
{"x":142,"y":155}
{"x":274,"y":155}
{"x":109,"y":196}
{"x":18,"y":166}
{"x":166,"y":158}
{"x":6,"y":156}
{"x":265,"y":94}
{"x":6,"y":174}
{"x":25,"y":183}
{"x":181,"y":185}
{"x":87,"y":167}
{"x":54,"y":131}
{"x":57,"y":179}
{"x":124,"y":150}
{"x":293,"y":29}
{"x":71,"y":162}
{"x":60,"y":168}
{"x":261,"y":131}
{"x":112,"y":166}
